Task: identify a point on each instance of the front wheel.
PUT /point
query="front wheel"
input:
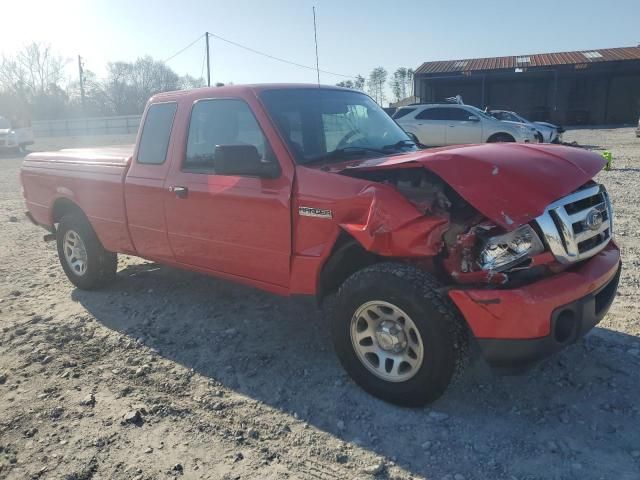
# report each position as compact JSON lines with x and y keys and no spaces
{"x":396,"y":335}
{"x":83,"y":258}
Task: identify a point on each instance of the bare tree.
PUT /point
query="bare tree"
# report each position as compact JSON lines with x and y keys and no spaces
{"x":409,"y":82}
{"x":117,"y":90}
{"x":376,"y":84}
{"x":345,"y":84}
{"x":129,"y":85}
{"x":402,"y":83}
{"x":188,"y":82}
{"x":31,"y":83}
{"x":359,"y":82}
{"x":398,"y":85}
{"x":33,"y":72}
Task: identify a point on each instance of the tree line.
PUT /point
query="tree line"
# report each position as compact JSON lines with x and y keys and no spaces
{"x":33,"y":84}
{"x":401,"y":84}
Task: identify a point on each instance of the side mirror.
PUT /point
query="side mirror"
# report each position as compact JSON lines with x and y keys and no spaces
{"x":242,"y":160}
{"x":473,"y":118}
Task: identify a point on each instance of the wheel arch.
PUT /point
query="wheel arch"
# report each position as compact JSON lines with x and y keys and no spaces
{"x":347,"y":257}
{"x":494,"y":136}
{"x":63,"y":206}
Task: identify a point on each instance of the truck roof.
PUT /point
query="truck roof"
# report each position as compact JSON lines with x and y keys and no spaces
{"x":240,"y":90}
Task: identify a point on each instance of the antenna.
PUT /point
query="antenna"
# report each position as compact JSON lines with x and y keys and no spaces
{"x":206,"y":34}
{"x":315,"y":36}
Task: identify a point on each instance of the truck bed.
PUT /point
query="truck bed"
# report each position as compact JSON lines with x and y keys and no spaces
{"x":90,"y":177}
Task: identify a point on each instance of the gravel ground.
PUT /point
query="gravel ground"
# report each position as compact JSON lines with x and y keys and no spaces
{"x":171,"y":374}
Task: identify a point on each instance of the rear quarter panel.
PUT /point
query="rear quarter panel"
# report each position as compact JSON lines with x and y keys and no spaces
{"x":95,"y":188}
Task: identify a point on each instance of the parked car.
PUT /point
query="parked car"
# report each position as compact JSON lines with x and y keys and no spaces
{"x":453,"y":124}
{"x":315,"y":191}
{"x":549,"y":133}
{"x":16,"y":136}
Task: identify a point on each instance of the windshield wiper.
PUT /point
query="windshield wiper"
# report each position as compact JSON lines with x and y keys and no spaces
{"x":399,"y":144}
{"x":342,"y":153}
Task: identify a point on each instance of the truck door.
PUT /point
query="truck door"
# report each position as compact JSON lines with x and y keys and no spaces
{"x":144,"y":185}
{"x":237,"y":225}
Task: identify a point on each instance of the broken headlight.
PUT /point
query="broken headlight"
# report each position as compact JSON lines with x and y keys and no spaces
{"x":503,"y":251}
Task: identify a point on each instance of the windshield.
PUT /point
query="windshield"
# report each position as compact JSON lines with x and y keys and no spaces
{"x":319,"y":124}
{"x":4,"y":123}
{"x":518,"y":118}
{"x":508,"y":116}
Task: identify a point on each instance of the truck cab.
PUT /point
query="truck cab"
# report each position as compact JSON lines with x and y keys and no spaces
{"x":315,"y":191}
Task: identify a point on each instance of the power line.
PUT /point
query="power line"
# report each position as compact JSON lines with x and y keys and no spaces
{"x":185,"y":48}
{"x":273,"y":57}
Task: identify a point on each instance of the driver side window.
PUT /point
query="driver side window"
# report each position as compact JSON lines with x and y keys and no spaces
{"x":221,"y":122}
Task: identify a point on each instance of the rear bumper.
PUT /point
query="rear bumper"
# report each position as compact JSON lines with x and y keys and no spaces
{"x":520,"y":326}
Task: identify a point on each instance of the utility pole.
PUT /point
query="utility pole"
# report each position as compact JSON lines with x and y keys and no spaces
{"x":315,"y":37}
{"x":206,"y":35}
{"x":81,"y":75}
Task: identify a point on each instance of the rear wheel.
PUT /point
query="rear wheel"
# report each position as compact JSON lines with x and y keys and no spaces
{"x":396,"y":335}
{"x":500,"y":137}
{"x":83,"y":258}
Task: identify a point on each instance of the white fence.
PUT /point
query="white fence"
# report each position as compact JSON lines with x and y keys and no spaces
{"x":87,"y":126}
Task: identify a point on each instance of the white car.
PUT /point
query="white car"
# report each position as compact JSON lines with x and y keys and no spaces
{"x":549,"y":132}
{"x":14,"y":137}
{"x":451,"y":124}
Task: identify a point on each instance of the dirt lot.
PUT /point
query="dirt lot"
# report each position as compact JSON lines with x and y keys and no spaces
{"x":168,"y":373}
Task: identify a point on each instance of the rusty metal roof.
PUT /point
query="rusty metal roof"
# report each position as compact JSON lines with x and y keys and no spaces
{"x":535,"y":60}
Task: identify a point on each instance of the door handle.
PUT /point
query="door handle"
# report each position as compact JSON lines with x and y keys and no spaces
{"x":181,"y":192}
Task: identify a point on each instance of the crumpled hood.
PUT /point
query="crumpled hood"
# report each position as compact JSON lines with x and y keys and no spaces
{"x":509,"y":183}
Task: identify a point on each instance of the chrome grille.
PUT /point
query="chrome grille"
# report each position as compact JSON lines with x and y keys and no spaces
{"x":579,"y":225}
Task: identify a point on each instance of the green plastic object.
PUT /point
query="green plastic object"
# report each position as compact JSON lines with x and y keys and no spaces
{"x":607,"y":156}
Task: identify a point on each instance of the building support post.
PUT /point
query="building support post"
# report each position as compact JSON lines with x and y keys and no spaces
{"x":606,"y":100}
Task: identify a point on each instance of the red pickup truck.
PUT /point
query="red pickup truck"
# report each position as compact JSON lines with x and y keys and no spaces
{"x":307,"y":190}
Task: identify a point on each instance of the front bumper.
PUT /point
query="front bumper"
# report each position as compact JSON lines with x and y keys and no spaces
{"x":517,"y":327}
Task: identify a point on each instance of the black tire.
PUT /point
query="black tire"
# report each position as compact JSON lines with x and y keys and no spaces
{"x":442,"y":329}
{"x":500,"y":138}
{"x":539,"y":136}
{"x":101,"y":265}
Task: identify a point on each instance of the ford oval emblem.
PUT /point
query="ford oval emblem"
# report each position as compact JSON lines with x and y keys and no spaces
{"x":594,"y":219}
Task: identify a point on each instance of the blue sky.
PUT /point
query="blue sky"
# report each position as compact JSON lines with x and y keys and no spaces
{"x":353,"y":36}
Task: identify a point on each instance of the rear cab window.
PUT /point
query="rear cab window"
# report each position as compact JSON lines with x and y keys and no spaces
{"x":156,"y":133}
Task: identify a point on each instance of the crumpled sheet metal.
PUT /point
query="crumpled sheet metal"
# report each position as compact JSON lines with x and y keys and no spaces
{"x":390,"y":226}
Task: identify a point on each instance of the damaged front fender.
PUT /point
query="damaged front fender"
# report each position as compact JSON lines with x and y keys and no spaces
{"x":391,"y":226}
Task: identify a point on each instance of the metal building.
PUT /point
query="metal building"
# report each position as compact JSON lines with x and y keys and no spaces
{"x":591,"y":87}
